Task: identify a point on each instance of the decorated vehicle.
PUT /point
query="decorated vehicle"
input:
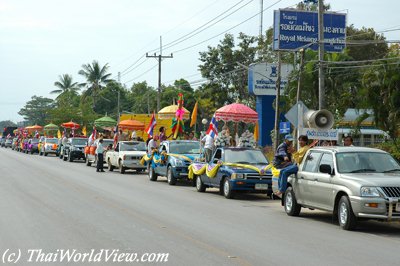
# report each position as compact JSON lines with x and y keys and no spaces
{"x":41,"y":139}
{"x":353,"y":183}
{"x":32,"y":146}
{"x":24,"y":145}
{"x":14,"y":143}
{"x":48,"y":145}
{"x":73,"y":149}
{"x":233,"y":170}
{"x":126,"y":155}
{"x":8,"y":142}
{"x":90,"y":151}
{"x":172,"y":160}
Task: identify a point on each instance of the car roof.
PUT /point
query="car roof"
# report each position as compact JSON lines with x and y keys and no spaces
{"x":337,"y":149}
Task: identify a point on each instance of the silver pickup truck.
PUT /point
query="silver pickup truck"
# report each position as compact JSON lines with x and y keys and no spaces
{"x":353,"y":183}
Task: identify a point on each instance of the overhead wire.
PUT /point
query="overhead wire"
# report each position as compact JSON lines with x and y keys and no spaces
{"x":237,"y":25}
{"x":167,"y":45}
{"x":147,"y":71}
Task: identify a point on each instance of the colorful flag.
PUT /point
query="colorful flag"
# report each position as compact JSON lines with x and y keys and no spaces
{"x":194,"y":116}
{"x":115,"y":136}
{"x":213,"y":128}
{"x":256,"y":134}
{"x":59,"y":134}
{"x":94,"y":134}
{"x":37,"y":134}
{"x":152,"y":125}
{"x":84,"y":131}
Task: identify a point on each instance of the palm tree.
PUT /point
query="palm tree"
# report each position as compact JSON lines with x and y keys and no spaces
{"x":96,"y":78}
{"x":65,"y":85}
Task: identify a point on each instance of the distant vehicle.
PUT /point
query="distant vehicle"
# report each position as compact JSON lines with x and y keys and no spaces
{"x":238,"y":176}
{"x":24,"y":145}
{"x":90,"y":155}
{"x":14,"y":143}
{"x":8,"y":131}
{"x":32,"y":146}
{"x":48,"y":146}
{"x":74,"y":149}
{"x":180,"y":154}
{"x":2,"y":141}
{"x":126,"y":155}
{"x":8,"y":142}
{"x":353,"y":183}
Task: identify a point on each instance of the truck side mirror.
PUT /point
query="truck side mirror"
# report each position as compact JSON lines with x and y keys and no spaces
{"x":326,"y":169}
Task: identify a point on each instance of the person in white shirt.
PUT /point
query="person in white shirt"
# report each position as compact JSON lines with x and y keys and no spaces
{"x":152,"y":144}
{"x":100,"y":156}
{"x":208,"y":146}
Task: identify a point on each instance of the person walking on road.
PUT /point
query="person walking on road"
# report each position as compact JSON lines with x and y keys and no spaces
{"x":100,"y":156}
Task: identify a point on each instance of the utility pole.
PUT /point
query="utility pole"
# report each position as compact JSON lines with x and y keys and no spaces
{"x":277,"y":99}
{"x":159,"y":58}
{"x":261,"y":18}
{"x":321,"y":77}
{"x":119,"y":77}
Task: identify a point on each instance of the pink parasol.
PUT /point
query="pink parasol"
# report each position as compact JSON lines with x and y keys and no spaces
{"x":236,"y":112}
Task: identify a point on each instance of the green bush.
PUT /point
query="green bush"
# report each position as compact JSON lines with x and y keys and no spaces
{"x":392,"y":147}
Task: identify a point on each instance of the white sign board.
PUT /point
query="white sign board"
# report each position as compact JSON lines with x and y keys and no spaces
{"x":322,"y":134}
{"x":262,"y":78}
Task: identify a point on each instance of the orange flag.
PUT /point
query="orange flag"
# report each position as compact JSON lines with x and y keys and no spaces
{"x":256,"y":134}
{"x":194,"y":115}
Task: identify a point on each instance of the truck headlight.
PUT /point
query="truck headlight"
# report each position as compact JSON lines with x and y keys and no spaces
{"x":369,"y":192}
{"x":179,"y":162}
{"x":237,"y":176}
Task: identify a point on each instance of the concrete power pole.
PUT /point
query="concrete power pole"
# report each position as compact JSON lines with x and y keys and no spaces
{"x":277,"y":100}
{"x":321,"y":77}
{"x":159,"y":58}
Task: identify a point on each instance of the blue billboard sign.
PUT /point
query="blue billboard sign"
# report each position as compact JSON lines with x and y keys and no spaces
{"x":296,"y":29}
{"x":284,"y":127}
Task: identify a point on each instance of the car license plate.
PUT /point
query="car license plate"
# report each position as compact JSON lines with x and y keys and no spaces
{"x":398,"y":207}
{"x":261,"y":186}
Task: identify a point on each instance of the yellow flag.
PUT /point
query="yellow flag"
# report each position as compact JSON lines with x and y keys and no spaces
{"x":194,"y":116}
{"x":58,"y":134}
{"x":256,"y":136}
{"x":84,"y":131}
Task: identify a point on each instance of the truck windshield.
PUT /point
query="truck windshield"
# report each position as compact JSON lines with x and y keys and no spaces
{"x":363,"y":162}
{"x":79,"y":141}
{"x":132,"y":146}
{"x":184,"y":147}
{"x":51,"y":140}
{"x":245,"y":156}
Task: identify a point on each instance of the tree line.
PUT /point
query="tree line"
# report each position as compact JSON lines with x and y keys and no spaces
{"x":364,"y":76}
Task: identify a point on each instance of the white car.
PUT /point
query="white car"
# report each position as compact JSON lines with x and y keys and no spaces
{"x":126,"y":155}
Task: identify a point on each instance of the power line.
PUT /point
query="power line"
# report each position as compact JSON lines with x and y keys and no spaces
{"x":205,"y":24}
{"x":237,"y":25}
{"x":179,"y":41}
{"x":147,"y":71}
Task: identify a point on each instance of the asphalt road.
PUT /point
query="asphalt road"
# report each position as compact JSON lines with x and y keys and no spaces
{"x":50,"y":204}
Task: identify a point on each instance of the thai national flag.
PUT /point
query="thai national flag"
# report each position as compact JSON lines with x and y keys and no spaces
{"x":213,"y":128}
{"x":151,"y":126}
{"x":115,"y":136}
{"x":94,"y":134}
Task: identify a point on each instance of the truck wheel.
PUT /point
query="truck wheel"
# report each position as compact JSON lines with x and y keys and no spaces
{"x":40,"y":153}
{"x":121,"y":168}
{"x":199,"y":184}
{"x":88,"y":163}
{"x":64,"y":157}
{"x":110,"y":166}
{"x":228,"y":193}
{"x":170,"y":176}
{"x":291,"y":206}
{"x":152,"y":174}
{"x":347,"y":219}
{"x":70,"y":159}
{"x":45,"y":154}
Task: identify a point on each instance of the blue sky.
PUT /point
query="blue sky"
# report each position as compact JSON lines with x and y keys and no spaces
{"x":42,"y":39}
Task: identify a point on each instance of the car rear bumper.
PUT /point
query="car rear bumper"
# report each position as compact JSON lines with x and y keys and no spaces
{"x":133,"y":164}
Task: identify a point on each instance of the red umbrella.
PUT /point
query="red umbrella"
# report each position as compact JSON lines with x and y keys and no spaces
{"x":131,"y":125}
{"x":71,"y":125}
{"x":236,"y":112}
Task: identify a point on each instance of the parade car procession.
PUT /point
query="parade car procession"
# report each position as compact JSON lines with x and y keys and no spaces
{"x":353,"y":183}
